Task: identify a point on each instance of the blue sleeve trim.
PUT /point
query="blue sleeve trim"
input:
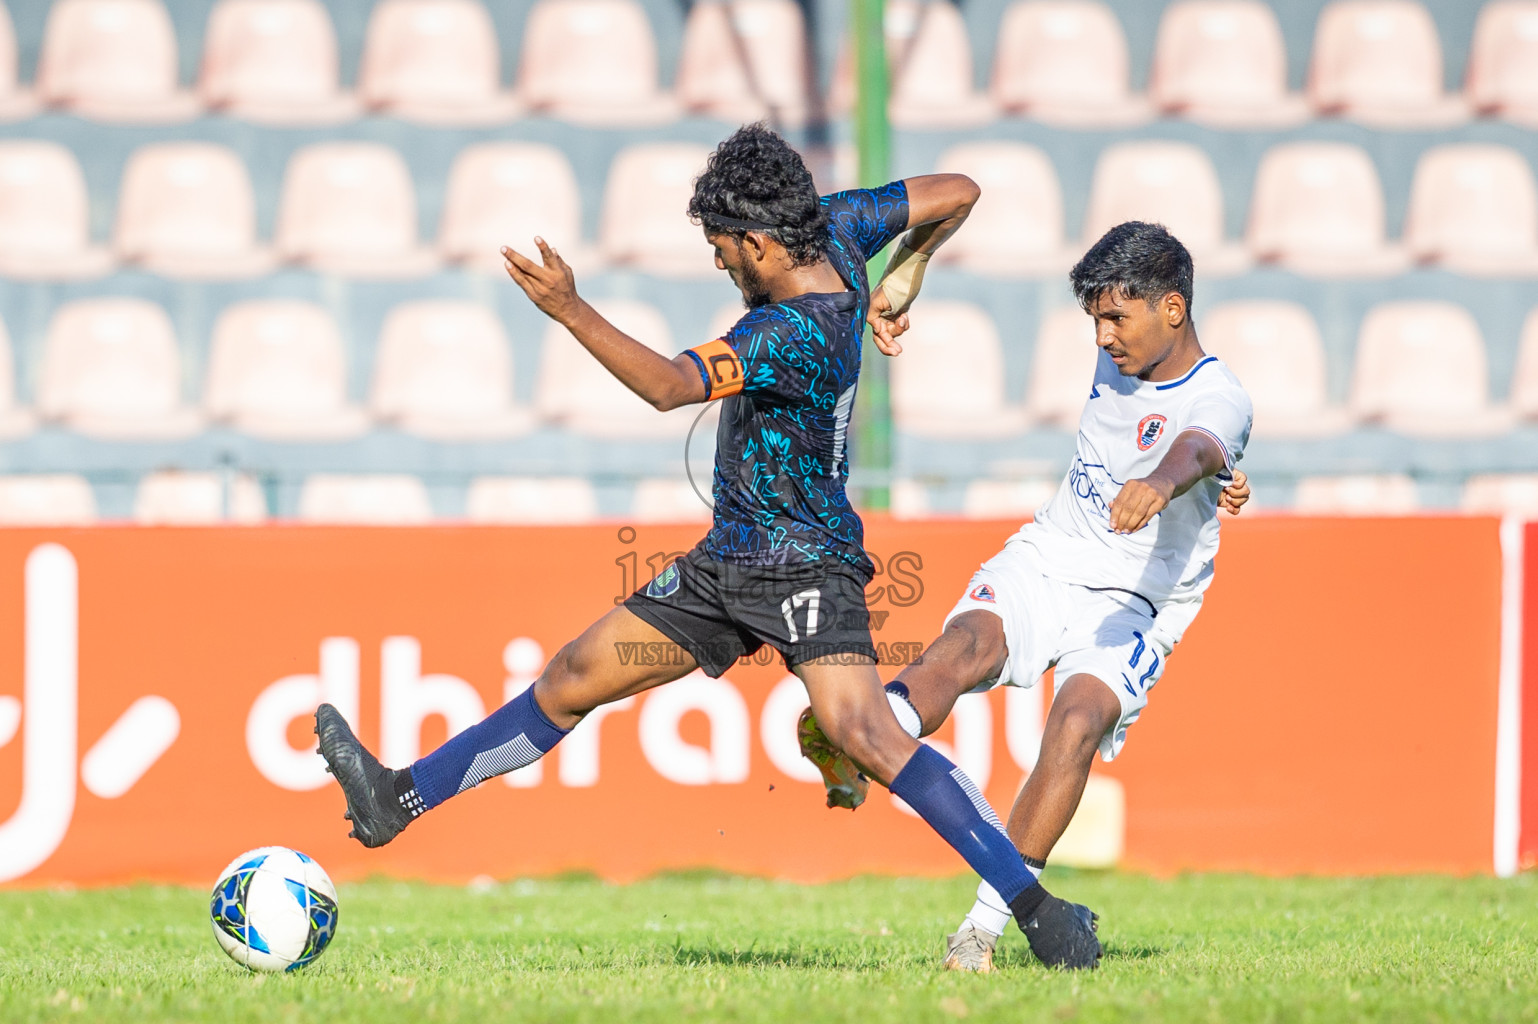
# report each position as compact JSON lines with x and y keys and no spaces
{"x":1228,"y":457}
{"x":699,"y":364}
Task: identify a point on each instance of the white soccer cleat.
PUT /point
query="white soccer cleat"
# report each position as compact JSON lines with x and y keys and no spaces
{"x":970,"y":949}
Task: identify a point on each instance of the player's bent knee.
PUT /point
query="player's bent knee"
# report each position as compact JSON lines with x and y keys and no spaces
{"x":970,"y":651}
{"x":565,"y":688}
{"x":876,"y":744}
{"x":1086,"y":710}
{"x":973,"y":644}
{"x":1085,"y":726}
{"x":844,"y":727}
{"x":556,"y":689}
{"x":840,"y":728}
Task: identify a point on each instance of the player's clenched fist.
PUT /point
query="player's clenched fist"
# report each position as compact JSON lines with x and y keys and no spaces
{"x":1235,"y":494}
{"x":1137,"y":503}
{"x":552,"y":287}
{"x":884,"y":327}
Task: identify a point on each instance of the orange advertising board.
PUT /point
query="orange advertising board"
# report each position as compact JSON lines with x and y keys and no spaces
{"x":1332,"y":710}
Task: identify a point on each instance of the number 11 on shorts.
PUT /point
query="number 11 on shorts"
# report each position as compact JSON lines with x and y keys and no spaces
{"x":811,"y":599}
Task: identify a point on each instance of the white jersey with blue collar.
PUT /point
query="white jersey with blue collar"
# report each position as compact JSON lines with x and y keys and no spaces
{"x":1126,"y":429}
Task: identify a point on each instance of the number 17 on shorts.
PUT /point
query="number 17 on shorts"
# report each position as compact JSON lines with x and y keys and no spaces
{"x":812,"y":601}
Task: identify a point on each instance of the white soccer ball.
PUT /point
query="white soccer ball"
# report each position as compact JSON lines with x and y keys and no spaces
{"x":273,"y":909}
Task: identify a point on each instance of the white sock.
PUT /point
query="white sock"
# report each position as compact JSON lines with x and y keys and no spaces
{"x":990,"y":913}
{"x":907,"y":717}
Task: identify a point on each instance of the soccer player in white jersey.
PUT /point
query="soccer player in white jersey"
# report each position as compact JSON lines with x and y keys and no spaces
{"x":1111,"y":572}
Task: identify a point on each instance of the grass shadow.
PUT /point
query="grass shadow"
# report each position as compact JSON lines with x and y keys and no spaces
{"x":693,"y":956}
{"x":700,"y":874}
{"x":1017,"y":956}
{"x":1117,"y":951}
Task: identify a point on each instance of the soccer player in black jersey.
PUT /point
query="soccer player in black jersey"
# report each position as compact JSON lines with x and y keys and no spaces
{"x":783,"y":563}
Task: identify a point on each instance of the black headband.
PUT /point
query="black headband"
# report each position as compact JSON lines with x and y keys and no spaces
{"x":739,"y":225}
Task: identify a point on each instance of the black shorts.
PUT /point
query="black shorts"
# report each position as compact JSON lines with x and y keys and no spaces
{"x":720,"y":612}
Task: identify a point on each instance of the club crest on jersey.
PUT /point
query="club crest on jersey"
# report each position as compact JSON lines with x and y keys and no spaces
{"x":1150,"y":430}
{"x":982,"y":592}
{"x":666,"y":582}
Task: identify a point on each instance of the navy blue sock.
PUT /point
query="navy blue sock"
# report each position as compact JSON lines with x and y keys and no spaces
{"x":514,"y":735}
{"x":943,"y":796}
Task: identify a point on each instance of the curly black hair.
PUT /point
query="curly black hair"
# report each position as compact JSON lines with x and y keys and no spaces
{"x":755,"y":178}
{"x":1140,"y":260}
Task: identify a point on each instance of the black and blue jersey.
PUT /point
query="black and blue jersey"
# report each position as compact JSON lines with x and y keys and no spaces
{"x":787,"y":372}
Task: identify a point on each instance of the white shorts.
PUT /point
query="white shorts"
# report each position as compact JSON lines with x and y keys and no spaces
{"x":1108,"y":634}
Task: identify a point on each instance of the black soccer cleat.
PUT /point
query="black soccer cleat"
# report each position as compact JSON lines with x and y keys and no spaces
{"x":1062,"y":934}
{"x":372,"y":804}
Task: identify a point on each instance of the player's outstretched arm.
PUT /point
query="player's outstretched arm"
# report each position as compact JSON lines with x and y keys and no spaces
{"x":938,"y":204}
{"x":1193,"y":455}
{"x":664,"y":383}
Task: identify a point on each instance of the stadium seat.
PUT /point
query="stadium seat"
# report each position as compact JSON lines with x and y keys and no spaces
{"x":1501,"y":494}
{"x":1275,"y":350}
{"x":61,"y":499}
{"x":949,"y":380}
{"x":575,"y":392}
{"x":186,"y":209}
{"x":112,"y":60}
{"x":505,"y":193}
{"x":1017,"y":225}
{"x":1474,"y":209}
{"x":444,"y":370}
{"x":910,"y":499}
{"x":645,"y":226}
{"x":531,"y":501}
{"x":1524,"y":380}
{"x":383,"y":499}
{"x":592,"y":62}
{"x":1391,"y":494}
{"x":111,"y":368}
{"x":1503,"y":62}
{"x":435,"y":61}
{"x":1421,"y":369}
{"x":1065,"y":62}
{"x":273,"y":61}
{"x":174,"y":498}
{"x":900,"y":24}
{"x":932,"y":68}
{"x":45,"y":215}
{"x":1062,"y":369}
{"x":1380,"y":62}
{"x":15,"y":102}
{"x":1006,"y":499}
{"x":14,"y":420}
{"x":277,"y":369}
{"x":670,"y":500}
{"x":1223,"y":62}
{"x":836,"y":168}
{"x":746,"y":60}
{"x":349,"y":208}
{"x":1317,"y":208}
{"x":1171,"y":183}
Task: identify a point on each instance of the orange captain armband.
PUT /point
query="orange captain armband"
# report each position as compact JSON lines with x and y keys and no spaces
{"x":720,"y":367}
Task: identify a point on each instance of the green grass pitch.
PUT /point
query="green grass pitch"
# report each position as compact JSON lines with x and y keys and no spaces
{"x":717,"y":948}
